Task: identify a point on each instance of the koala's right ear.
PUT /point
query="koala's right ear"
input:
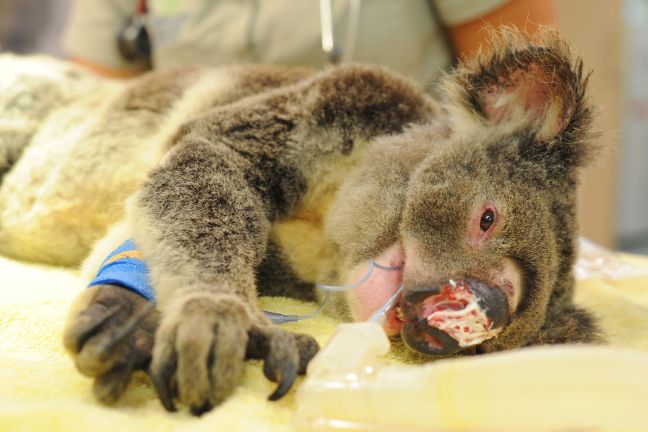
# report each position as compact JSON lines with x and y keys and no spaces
{"x":525,"y":84}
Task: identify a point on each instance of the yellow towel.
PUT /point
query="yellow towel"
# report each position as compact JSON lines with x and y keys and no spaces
{"x":41,"y":390}
{"x":621,"y":305}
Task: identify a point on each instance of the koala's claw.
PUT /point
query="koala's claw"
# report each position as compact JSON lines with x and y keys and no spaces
{"x":202,"y":409}
{"x":111,"y":338}
{"x":285,"y":377}
{"x":163,"y":379}
{"x":285,"y":355}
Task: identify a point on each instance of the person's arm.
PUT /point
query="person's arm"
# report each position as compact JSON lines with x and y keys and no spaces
{"x":524,"y":14}
{"x":106,"y":71}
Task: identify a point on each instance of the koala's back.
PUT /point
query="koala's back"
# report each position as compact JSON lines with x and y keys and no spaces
{"x":87,"y":154}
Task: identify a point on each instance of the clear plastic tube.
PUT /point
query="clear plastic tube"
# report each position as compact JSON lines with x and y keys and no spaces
{"x":279,"y":318}
{"x":535,"y":389}
{"x":380,"y":316}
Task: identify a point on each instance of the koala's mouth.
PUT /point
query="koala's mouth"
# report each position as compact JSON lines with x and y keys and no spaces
{"x":437,"y":318}
{"x":452,"y":315}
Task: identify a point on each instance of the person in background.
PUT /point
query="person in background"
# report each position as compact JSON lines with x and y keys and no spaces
{"x":123,"y":38}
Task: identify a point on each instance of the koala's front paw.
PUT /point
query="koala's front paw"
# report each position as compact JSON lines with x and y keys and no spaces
{"x":202,"y":344}
{"x":110,"y":336}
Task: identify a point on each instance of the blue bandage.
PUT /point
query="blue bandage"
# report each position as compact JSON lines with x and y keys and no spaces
{"x":125,"y":267}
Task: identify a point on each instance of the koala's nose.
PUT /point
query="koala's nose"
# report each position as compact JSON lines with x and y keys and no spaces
{"x":446,"y":317}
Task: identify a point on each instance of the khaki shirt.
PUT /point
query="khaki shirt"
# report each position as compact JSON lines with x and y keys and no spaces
{"x":401,"y":34}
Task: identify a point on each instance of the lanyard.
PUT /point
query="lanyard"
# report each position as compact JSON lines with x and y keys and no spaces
{"x":335,"y":54}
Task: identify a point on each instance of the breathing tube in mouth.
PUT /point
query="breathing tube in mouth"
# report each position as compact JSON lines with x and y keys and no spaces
{"x":126,"y":267}
{"x":451,"y":315}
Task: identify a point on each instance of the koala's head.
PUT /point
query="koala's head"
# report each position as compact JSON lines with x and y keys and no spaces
{"x":487,"y":233}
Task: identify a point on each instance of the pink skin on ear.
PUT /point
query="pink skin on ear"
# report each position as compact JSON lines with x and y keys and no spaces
{"x":371,"y":295}
{"x":530,"y":96}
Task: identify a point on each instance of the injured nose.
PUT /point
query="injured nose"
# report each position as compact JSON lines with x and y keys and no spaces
{"x":452,"y":315}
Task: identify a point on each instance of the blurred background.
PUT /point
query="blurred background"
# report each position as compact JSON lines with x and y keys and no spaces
{"x":611,"y":36}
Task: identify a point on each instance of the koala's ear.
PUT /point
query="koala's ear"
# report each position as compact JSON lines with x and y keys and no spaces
{"x":524,"y":84}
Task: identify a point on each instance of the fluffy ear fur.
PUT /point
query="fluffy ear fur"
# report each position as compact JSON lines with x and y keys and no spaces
{"x":529,"y":85}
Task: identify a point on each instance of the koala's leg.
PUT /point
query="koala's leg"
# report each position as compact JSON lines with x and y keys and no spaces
{"x":203,"y":228}
{"x":110,"y":335}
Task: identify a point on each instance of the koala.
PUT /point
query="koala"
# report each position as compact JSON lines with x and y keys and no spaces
{"x":258,"y":180}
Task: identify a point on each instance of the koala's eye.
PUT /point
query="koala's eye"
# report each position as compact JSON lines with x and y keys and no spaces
{"x":487,"y":220}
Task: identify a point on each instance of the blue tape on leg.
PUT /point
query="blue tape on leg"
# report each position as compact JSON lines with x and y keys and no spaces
{"x":125,"y":267}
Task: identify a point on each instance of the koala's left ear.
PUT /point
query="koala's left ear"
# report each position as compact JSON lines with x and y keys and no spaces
{"x":525,"y":84}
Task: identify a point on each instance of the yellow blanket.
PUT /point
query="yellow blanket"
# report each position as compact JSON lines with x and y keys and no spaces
{"x":41,"y":390}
